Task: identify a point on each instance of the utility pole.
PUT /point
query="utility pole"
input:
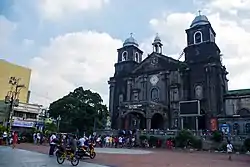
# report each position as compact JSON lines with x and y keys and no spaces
{"x":12,"y":98}
{"x":58,"y":123}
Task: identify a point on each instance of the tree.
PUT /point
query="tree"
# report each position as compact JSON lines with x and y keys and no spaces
{"x":80,"y":111}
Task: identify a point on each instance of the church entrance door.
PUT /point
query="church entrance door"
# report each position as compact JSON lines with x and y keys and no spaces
{"x":135,"y":120}
{"x":157,"y":121}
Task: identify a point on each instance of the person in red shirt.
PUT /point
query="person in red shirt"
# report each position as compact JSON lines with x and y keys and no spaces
{"x":15,"y":138}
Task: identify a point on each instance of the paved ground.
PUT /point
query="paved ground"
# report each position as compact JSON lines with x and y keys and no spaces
{"x":160,"y":158}
{"x":24,"y":158}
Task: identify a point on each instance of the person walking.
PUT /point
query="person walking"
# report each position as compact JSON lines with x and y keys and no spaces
{"x":52,"y":144}
{"x":229,"y":150}
{"x":15,"y":138}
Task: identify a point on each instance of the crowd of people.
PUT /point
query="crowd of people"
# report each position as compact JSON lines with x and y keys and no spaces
{"x":72,"y":141}
{"x":11,"y":139}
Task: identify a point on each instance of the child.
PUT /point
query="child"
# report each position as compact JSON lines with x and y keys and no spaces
{"x":229,"y":150}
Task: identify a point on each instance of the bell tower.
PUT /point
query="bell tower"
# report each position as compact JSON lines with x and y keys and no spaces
{"x":207,"y":80}
{"x":157,"y":45}
{"x":129,"y":56}
{"x":201,"y":44}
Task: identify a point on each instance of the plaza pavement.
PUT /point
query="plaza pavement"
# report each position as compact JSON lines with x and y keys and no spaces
{"x":24,"y":158}
{"x":145,"y":158}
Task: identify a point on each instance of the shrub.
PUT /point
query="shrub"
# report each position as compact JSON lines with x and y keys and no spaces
{"x":247,"y":144}
{"x":196,"y":143}
{"x":153,"y":141}
{"x":217,"y":137}
{"x":143,"y":137}
{"x":183,"y":137}
{"x":186,"y":138}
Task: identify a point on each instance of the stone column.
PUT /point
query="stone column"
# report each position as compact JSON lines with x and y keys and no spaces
{"x":129,"y":84}
{"x":111,"y":101}
{"x":120,"y":122}
{"x":148,"y":123}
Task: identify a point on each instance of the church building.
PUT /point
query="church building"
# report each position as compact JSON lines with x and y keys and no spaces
{"x":147,"y":93}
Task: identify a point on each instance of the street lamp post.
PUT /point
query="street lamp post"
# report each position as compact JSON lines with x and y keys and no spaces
{"x":58,"y":123}
{"x":12,"y":99}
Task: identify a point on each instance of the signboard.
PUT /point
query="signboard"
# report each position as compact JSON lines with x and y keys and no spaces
{"x":225,"y":128}
{"x":23,"y":124}
{"x":135,"y":106}
{"x":189,"y":108}
{"x":213,"y":124}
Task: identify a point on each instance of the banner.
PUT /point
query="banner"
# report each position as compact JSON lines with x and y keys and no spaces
{"x":23,"y":124}
{"x":213,"y":124}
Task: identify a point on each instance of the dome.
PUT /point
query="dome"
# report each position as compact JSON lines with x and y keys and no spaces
{"x":157,"y":39}
{"x":199,"y":20}
{"x":130,"y":42}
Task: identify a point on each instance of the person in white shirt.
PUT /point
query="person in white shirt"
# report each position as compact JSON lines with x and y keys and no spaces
{"x":106,"y":141}
{"x":82,"y":141}
{"x":229,"y":150}
{"x":52,"y":144}
{"x":38,"y":137}
{"x":5,"y":138}
{"x":120,"y":141}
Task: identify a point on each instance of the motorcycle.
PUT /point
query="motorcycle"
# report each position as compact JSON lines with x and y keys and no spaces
{"x":86,"y":152}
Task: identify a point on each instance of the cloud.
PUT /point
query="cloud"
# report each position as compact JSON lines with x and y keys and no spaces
{"x":6,"y":29}
{"x":75,"y":59}
{"x":232,"y":38}
{"x":57,"y":9}
{"x":230,"y":6}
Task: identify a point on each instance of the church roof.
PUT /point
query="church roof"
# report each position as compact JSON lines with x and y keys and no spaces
{"x":239,"y":92}
{"x":199,"y":20}
{"x":131,"y":42}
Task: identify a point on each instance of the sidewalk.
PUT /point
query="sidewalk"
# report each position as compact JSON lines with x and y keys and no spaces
{"x":159,"y":158}
{"x":23,"y":158}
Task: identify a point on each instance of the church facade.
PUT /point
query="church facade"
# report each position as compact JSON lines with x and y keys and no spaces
{"x":146,"y":93}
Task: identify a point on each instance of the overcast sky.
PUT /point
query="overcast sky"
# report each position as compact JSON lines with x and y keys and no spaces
{"x":71,"y":43}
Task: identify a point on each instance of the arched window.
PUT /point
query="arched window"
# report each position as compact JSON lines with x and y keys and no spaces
{"x":154,"y":94}
{"x":197,"y":37}
{"x":137,"y":58}
{"x":247,"y":126}
{"x":124,"y":56}
{"x":236,"y":128}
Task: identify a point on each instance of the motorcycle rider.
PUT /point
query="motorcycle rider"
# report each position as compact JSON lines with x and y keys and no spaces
{"x":73,"y":144}
{"x":81,"y":142}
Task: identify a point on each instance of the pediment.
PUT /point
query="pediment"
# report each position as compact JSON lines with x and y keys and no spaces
{"x":157,"y":62}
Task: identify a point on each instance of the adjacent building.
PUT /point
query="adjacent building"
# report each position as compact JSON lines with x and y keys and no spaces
{"x":237,"y":116}
{"x":24,"y":115}
{"x":147,"y":93}
{"x":8,"y":70}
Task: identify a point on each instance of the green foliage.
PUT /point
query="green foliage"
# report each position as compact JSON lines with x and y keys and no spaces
{"x":182,"y":139}
{"x":186,"y":138}
{"x":2,"y":129}
{"x":152,"y":141}
{"x":247,"y":144}
{"x":79,"y":111}
{"x":196,"y":143}
{"x":50,"y":127}
{"x":217,"y":136}
{"x":143,"y":137}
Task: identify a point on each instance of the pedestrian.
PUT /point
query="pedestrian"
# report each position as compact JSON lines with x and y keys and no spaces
{"x":229,"y":150}
{"x":52,"y":144}
{"x":14,"y":141}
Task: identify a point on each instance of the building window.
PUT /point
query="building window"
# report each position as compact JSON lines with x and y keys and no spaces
{"x":124,"y":56}
{"x":136,"y":96}
{"x":247,"y":128}
{"x":137,"y":58}
{"x":154,"y":94}
{"x":120,"y":99}
{"x":197,"y":37}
